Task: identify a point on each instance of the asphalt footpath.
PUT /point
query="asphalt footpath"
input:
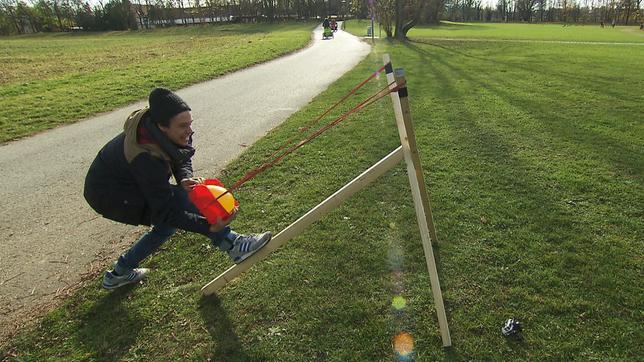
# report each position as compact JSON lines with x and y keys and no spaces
{"x":51,"y":239}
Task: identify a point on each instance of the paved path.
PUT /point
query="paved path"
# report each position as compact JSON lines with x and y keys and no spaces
{"x":50,"y":237}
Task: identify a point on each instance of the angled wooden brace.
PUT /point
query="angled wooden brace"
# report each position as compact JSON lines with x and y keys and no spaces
{"x":309,"y":218}
{"x":407,"y":151}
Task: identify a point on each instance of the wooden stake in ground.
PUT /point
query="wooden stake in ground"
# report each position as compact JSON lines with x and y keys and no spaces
{"x":418,"y":188}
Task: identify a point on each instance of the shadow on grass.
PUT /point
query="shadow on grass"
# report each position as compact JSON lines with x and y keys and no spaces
{"x":108,"y":329}
{"x":587,"y":82}
{"x":490,"y":148}
{"x":444,"y":25}
{"x":562,"y":237}
{"x":227,"y":344}
{"x":622,"y":156}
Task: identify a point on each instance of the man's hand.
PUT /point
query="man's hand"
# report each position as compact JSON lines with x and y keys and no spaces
{"x":189,"y":183}
{"x":220,"y":224}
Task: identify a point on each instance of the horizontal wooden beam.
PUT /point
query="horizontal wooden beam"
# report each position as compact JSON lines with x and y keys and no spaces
{"x":307,"y":219}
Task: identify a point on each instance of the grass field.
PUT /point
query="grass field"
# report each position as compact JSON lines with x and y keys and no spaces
{"x":53,"y":79}
{"x":495,"y":31}
{"x":535,"y":168}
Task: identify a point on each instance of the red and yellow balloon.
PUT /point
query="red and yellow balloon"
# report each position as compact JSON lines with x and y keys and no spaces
{"x":213,"y":200}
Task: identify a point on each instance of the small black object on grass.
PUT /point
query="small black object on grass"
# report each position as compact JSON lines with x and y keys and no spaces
{"x":511,"y":327}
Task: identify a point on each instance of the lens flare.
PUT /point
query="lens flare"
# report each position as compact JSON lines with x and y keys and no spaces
{"x":404,"y":344}
{"x":399,"y":302}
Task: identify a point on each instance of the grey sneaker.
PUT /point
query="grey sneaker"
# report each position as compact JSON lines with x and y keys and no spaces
{"x":113,"y":281}
{"x":246,"y":245}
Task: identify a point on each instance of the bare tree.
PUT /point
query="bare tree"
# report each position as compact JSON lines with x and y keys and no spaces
{"x":385,"y":13}
{"x":525,"y":9}
{"x":8,"y":7}
{"x":58,"y":11}
{"x":182,"y":11}
{"x":503,"y":6}
{"x":541,"y":6}
{"x":628,"y":6}
{"x":406,"y":15}
{"x":433,"y":11}
{"x":142,"y":14}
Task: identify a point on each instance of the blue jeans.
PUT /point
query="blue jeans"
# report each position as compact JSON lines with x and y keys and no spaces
{"x":159,"y":234}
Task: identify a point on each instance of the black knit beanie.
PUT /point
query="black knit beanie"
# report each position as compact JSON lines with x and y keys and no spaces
{"x":165,"y":104}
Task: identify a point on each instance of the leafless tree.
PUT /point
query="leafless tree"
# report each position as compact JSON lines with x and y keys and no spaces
{"x":525,"y":9}
{"x":8,"y":7}
{"x":406,"y":15}
{"x":385,"y":10}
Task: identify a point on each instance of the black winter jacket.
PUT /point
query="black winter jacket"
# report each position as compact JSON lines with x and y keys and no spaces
{"x":128,"y":181}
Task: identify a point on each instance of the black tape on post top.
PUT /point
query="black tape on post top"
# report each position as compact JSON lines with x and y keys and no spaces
{"x":402,"y":91}
{"x":389,"y":68}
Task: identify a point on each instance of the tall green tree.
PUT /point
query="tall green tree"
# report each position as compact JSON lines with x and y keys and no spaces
{"x":116,"y":15}
{"x":84,"y":15}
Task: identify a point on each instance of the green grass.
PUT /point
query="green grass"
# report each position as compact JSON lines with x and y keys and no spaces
{"x":53,"y":79}
{"x":496,"y":31}
{"x":535,"y":170}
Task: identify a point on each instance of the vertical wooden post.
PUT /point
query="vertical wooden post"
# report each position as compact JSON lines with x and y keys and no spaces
{"x":418,"y":188}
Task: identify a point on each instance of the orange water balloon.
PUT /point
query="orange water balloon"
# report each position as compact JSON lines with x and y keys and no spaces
{"x":213,"y":201}
{"x":403,"y":344}
{"x":227,"y":201}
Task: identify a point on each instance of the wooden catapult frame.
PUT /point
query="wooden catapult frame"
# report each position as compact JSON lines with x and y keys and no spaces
{"x":407,"y":151}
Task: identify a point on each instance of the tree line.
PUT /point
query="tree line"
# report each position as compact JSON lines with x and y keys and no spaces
{"x":395,"y":16}
{"x":623,"y":12}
